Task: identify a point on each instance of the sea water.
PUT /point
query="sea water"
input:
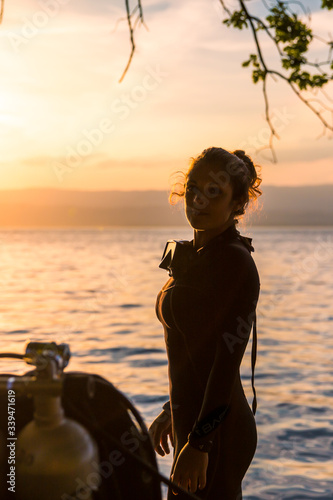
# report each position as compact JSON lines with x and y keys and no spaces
{"x":95,"y":289}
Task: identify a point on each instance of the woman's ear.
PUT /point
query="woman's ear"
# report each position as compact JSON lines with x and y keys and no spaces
{"x":238,"y":204}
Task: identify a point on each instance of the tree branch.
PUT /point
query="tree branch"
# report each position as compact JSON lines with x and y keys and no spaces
{"x":129,"y":20}
{"x":291,"y":37}
{"x":2,"y":6}
{"x":264,"y":89}
{"x":132,"y":28}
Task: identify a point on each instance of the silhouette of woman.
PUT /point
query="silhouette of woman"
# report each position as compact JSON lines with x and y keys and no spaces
{"x":207,"y":309}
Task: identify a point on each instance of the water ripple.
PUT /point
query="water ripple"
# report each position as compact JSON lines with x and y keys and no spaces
{"x":94,"y":293}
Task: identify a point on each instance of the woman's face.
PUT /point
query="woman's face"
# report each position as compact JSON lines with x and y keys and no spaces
{"x":208,"y":198}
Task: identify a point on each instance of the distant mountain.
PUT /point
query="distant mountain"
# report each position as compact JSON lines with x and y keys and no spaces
{"x":302,"y":205}
{"x":299,"y":205}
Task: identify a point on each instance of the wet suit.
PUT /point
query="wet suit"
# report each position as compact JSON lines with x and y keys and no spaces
{"x":207,"y":311}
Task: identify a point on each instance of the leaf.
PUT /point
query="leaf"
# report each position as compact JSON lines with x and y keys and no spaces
{"x":237,"y":19}
{"x":327,"y":4}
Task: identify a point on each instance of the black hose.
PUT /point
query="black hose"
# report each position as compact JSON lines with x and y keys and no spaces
{"x":144,"y":464}
{"x":88,"y":423}
{"x":11,"y":355}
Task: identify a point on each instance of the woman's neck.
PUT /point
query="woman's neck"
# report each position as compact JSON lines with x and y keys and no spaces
{"x":201,"y":238}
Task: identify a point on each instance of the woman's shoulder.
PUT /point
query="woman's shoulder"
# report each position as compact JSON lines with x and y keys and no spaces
{"x":234,"y":250}
{"x":231,"y":243}
{"x":232,"y":261}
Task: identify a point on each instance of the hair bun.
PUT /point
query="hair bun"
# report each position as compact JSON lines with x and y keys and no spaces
{"x":254,"y":179}
{"x":248,"y":162}
{"x":240,"y":153}
{"x":243,"y":156}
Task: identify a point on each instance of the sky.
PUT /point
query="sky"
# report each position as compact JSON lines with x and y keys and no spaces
{"x":66,"y":121}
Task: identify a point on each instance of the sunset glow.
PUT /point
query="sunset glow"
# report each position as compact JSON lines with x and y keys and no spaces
{"x":66,"y":121}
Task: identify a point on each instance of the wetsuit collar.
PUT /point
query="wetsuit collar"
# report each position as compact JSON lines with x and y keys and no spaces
{"x":227,"y":235}
{"x":179,"y":256}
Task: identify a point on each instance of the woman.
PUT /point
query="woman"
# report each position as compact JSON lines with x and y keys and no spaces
{"x":207,"y":309}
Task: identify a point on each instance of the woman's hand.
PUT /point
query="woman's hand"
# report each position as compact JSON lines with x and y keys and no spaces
{"x":159,"y":432}
{"x":190,"y":469}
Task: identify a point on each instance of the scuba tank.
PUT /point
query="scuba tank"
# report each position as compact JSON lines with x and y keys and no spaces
{"x":71,"y":436}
